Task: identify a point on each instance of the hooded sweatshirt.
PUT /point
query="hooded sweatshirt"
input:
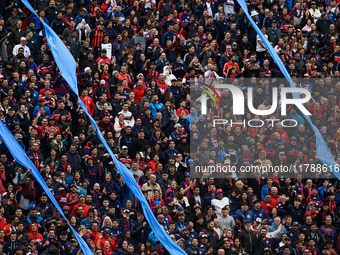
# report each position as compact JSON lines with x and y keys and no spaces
{"x":35,"y":235}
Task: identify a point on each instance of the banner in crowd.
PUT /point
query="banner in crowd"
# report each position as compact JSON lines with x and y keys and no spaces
{"x":20,"y":156}
{"x":322,"y":151}
{"x":67,"y":66}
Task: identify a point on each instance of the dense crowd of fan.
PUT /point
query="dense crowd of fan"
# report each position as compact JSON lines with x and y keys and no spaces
{"x":141,"y":67}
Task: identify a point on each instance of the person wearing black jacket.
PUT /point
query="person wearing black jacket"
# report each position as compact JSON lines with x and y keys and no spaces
{"x":17,"y":33}
{"x":247,"y":238}
{"x":139,"y":143}
{"x":197,"y":199}
{"x":12,"y":244}
{"x":315,"y":235}
{"x":64,"y":245}
{"x":90,"y":63}
{"x":239,"y":225}
{"x":295,"y":211}
{"x":140,"y":229}
{"x":21,"y":233}
{"x":83,"y":52}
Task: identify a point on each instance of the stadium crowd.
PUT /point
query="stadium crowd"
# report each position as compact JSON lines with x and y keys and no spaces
{"x":140,"y":68}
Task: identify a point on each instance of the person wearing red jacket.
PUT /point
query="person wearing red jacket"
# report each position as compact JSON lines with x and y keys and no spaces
{"x":139,"y":91}
{"x":88,"y":102}
{"x":153,"y":163}
{"x":34,"y":234}
{"x":268,"y":203}
{"x":156,"y":202}
{"x":107,"y":237}
{"x":230,"y":64}
{"x":82,"y":204}
{"x":317,"y":110}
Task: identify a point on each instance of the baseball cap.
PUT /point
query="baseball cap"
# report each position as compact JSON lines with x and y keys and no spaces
{"x":187,"y":174}
{"x":295,"y":223}
{"x":66,"y":208}
{"x":86,"y":69}
{"x":219,"y":191}
{"x":63,"y":233}
{"x":124,"y":147}
{"x":183,"y":136}
{"x":86,"y":236}
{"x":23,"y":39}
{"x":41,"y":99}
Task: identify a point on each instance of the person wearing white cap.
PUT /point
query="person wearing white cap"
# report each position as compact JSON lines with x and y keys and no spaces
{"x":87,"y":75}
{"x":27,"y":51}
{"x":254,"y":13}
{"x":88,"y":70}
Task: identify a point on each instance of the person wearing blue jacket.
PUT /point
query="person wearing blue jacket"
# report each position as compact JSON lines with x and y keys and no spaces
{"x":170,"y":35}
{"x":41,"y":104}
{"x":83,"y":15}
{"x":266,"y":188}
{"x":244,"y":211}
{"x":155,"y":105}
{"x":322,"y":191}
{"x":59,"y":25}
{"x":257,"y":212}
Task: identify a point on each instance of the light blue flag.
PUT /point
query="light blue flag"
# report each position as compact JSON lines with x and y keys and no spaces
{"x":322,"y":151}
{"x":20,"y":156}
{"x":67,"y":66}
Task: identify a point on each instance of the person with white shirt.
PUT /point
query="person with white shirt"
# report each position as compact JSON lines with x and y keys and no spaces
{"x":27,"y":51}
{"x":219,"y":202}
{"x":260,"y":47}
{"x":129,"y":120}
